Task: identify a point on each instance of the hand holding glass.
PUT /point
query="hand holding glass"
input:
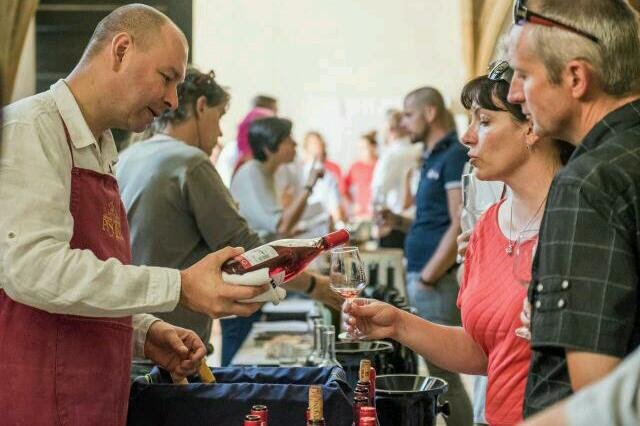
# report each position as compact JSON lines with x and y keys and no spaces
{"x":346,"y":274}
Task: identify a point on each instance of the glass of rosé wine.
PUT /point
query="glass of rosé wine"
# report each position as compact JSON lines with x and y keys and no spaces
{"x":346,"y":275}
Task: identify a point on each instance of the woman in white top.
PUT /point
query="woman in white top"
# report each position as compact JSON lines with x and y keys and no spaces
{"x":253,"y":186}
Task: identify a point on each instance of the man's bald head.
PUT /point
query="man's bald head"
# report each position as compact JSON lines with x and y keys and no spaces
{"x":144,"y":24}
{"x":430,"y":97}
{"x":426,"y":96}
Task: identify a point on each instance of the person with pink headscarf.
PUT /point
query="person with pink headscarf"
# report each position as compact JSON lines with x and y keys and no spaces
{"x":263,"y":106}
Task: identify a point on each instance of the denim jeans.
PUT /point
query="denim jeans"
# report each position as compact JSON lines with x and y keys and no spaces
{"x":234,"y":331}
{"x":479,"y":398}
{"x":438,"y":304}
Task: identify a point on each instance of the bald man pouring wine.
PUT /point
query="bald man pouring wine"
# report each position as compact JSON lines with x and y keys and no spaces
{"x":71,"y":306}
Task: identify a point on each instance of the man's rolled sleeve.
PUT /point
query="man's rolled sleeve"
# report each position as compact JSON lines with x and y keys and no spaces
{"x":141,"y":324}
{"x":453,"y":167}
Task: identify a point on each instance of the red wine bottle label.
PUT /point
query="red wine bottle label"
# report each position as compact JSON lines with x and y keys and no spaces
{"x":257,"y":255}
{"x":309,"y":242}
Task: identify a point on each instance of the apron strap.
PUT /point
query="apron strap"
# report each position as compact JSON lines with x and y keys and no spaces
{"x":68,"y":136}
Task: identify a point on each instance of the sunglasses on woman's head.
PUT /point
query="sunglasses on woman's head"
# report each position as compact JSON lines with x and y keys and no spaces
{"x":500,"y":70}
{"x":522,"y":14}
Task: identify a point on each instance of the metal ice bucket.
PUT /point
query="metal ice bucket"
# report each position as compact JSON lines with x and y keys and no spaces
{"x":409,"y":399}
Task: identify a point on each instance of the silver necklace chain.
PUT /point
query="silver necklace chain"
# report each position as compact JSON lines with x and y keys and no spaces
{"x":511,"y":244}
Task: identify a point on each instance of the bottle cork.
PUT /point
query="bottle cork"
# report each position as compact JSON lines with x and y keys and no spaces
{"x":206,"y":376}
{"x":315,"y":403}
{"x":365,"y":366}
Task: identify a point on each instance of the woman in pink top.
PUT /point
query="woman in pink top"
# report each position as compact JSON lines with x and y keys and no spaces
{"x":502,"y":147}
{"x":356,"y":185}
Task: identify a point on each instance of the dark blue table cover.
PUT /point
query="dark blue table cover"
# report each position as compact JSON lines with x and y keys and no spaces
{"x":284,"y":391}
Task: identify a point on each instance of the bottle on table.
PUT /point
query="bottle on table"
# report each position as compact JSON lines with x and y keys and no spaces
{"x":316,"y":415}
{"x":359,"y":401}
{"x":372,"y":386}
{"x":368,"y":416}
{"x":262,"y":412}
{"x":329,"y":345}
{"x":284,"y":259}
{"x":364,"y":379}
{"x":252,"y":420}
{"x":368,"y":421}
{"x":315,"y":357}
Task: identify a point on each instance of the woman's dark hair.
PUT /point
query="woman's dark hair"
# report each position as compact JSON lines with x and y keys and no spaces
{"x":195,"y":84}
{"x":268,"y":133}
{"x":492,"y":95}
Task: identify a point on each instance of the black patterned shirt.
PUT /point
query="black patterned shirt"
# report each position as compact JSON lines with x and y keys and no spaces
{"x":584,"y":293}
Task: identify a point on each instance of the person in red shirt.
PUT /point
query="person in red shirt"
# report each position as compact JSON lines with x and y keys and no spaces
{"x":491,"y":341}
{"x":356,"y":185}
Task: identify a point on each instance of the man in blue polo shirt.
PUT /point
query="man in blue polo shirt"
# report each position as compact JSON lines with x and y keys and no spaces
{"x":430,"y":246}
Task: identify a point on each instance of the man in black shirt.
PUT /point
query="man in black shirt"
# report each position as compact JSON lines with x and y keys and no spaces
{"x":577,"y":76}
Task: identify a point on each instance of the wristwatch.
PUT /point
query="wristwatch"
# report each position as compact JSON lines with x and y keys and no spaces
{"x":312,"y":284}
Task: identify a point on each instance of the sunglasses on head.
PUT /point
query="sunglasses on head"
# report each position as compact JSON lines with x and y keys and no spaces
{"x":500,"y":70}
{"x":522,"y":14}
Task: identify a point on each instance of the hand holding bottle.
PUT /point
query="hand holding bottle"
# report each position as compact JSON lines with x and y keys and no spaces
{"x":371,"y":318}
{"x":203,"y":290}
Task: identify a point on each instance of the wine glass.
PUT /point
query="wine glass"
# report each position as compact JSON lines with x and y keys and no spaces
{"x":523,"y":253}
{"x":346,"y":274}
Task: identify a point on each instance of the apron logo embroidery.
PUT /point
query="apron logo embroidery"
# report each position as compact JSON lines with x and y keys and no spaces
{"x":111,"y":221}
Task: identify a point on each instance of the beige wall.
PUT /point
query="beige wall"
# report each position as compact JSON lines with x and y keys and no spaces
{"x":25,"y":84}
{"x":335,"y":65}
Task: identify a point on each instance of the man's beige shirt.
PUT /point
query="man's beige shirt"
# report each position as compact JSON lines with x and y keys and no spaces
{"x":37,"y":265}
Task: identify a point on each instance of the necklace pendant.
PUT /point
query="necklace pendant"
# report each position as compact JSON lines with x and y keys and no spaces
{"x":509,"y":250}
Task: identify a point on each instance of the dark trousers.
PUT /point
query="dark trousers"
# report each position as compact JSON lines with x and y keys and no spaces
{"x":234,"y":331}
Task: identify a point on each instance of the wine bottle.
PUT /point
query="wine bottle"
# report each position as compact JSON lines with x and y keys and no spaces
{"x":368,"y":421}
{"x":359,"y":401}
{"x":262,"y":412}
{"x":284,"y":259}
{"x":252,"y":420}
{"x":329,"y":348}
{"x":372,"y":387}
{"x":315,"y":357}
{"x":362,"y":387}
{"x":368,"y":416}
{"x":316,"y":416}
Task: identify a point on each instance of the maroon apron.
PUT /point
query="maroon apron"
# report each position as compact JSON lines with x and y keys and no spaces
{"x":67,"y":369}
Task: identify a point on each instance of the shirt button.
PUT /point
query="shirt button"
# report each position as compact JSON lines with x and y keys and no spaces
{"x":538,"y":304}
{"x":539,"y":287}
{"x":12,"y":235}
{"x":565,"y":284}
{"x":561,"y":303}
